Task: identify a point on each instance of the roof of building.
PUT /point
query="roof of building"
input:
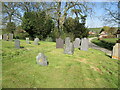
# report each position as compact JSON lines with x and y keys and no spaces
{"x":118,"y":31}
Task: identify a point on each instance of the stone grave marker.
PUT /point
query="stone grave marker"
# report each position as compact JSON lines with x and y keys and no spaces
{"x":36,"y":40}
{"x":84,"y":44}
{"x":17,"y":43}
{"x":59,"y":43}
{"x":116,"y":51}
{"x":69,"y":47}
{"x":77,"y":43}
{"x":5,"y":37}
{"x":10,"y":37}
{"x":41,"y":59}
{"x":27,"y":41}
{"x":1,"y":37}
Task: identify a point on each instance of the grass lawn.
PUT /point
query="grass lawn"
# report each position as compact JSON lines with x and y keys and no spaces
{"x":92,"y":69}
{"x":107,"y":43}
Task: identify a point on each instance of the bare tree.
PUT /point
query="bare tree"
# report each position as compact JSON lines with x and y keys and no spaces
{"x":60,"y":11}
{"x":112,"y":15}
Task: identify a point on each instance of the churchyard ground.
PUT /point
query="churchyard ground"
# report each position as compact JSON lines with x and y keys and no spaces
{"x":83,"y":69}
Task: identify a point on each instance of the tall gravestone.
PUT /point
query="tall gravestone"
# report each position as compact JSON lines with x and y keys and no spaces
{"x":59,"y":43}
{"x":41,"y":59}
{"x":77,"y":43}
{"x":116,"y":51}
{"x":1,"y":37}
{"x":10,"y":36}
{"x":69,"y":47}
{"x":17,"y":43}
{"x":84,"y":44}
{"x":36,"y":40}
{"x":5,"y":37}
{"x":27,"y":41}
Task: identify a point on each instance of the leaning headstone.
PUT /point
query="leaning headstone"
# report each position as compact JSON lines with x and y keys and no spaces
{"x":5,"y":37}
{"x":10,"y":37}
{"x":36,"y":40}
{"x":84,"y":44}
{"x":27,"y":41}
{"x":59,"y":43}
{"x":77,"y":43}
{"x":17,"y":43}
{"x":41,"y":59}
{"x":69,"y":47}
{"x":1,"y":37}
{"x":116,"y":51}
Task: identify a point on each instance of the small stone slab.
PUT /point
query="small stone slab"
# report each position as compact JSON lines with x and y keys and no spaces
{"x":36,"y":40}
{"x":10,"y":36}
{"x":59,"y":43}
{"x":41,"y":59}
{"x":27,"y":41}
{"x":5,"y":37}
{"x":77,"y":43}
{"x":84,"y":44}
{"x":116,"y":51}
{"x":17,"y":43}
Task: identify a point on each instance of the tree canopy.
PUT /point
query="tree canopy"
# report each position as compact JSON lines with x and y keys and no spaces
{"x":37,"y":24}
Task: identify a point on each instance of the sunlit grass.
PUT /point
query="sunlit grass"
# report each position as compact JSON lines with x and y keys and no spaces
{"x":91,"y":69}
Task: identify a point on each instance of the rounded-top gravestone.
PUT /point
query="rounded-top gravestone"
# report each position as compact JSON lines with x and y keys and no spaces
{"x":36,"y":40}
{"x":77,"y":43}
{"x":41,"y":59}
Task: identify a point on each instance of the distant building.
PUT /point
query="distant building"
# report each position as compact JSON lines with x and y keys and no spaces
{"x":118,"y":33}
{"x":103,"y":34}
{"x":91,"y":33}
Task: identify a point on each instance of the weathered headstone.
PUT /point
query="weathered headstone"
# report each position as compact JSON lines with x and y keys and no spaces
{"x":69,"y":47}
{"x":1,"y":37}
{"x":36,"y":40}
{"x":27,"y":41}
{"x":41,"y":59}
{"x":116,"y":51}
{"x":17,"y":43}
{"x":59,"y":43}
{"x":77,"y":43}
{"x":10,"y":37}
{"x":84,"y":44}
{"x":5,"y":37}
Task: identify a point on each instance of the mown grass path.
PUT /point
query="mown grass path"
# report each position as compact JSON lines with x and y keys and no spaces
{"x":91,"y":69}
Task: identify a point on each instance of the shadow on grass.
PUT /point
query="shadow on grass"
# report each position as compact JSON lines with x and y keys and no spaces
{"x":108,"y":56}
{"x":21,"y":47}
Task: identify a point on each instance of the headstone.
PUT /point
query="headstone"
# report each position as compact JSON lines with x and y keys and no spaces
{"x":84,"y":44}
{"x":116,"y":51}
{"x":5,"y":37}
{"x":59,"y":43}
{"x":36,"y":40}
{"x":1,"y":37}
{"x":10,"y":37}
{"x":17,"y":43}
{"x":27,"y":41}
{"x":77,"y":43}
{"x":41,"y":59}
{"x":69,"y":47}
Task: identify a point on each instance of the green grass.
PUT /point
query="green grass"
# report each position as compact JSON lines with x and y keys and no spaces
{"x":92,"y":69}
{"x":110,"y":40}
{"x":107,"y":43}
